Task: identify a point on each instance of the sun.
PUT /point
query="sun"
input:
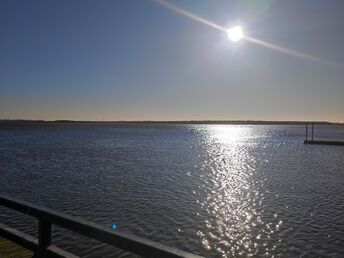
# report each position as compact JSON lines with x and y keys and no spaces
{"x":235,"y":33}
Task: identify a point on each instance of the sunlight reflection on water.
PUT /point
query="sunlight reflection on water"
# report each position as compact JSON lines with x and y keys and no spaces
{"x":235,"y":226}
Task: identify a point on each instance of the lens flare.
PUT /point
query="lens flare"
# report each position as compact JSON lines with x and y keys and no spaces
{"x":290,"y":51}
{"x":188,"y":14}
{"x":236,"y":34}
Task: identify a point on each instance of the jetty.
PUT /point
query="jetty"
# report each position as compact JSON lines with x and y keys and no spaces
{"x":43,"y":246}
{"x":319,"y":142}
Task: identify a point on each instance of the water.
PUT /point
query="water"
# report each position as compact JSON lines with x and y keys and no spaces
{"x":215,"y":190}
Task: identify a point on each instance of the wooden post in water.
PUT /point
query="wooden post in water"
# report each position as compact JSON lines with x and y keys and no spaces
{"x":306,"y":131}
{"x":312,"y":131}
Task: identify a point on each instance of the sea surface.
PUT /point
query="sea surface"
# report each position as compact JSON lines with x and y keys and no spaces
{"x":214,"y":190}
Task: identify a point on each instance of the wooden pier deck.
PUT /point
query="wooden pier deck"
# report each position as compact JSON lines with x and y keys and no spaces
{"x":11,"y":250}
{"x":336,"y":143}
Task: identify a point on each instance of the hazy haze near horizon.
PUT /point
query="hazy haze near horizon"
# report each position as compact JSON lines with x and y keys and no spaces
{"x":134,"y":60}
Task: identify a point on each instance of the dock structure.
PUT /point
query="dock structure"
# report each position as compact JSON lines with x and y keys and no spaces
{"x":43,"y":247}
{"x":319,"y":142}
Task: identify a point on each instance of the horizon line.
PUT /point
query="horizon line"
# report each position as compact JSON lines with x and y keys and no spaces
{"x":207,"y":121}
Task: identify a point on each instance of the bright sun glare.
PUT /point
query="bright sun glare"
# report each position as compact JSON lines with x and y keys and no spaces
{"x":235,"y":33}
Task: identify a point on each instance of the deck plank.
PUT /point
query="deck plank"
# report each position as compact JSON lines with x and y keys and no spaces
{"x":11,"y":250}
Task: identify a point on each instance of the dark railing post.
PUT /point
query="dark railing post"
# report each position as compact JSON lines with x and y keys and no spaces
{"x":44,"y":234}
{"x":312,"y":131}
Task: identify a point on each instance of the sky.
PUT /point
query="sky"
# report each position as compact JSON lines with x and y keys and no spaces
{"x":137,"y":60}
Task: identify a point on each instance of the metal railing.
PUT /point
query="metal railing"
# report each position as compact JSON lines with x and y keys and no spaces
{"x":43,"y":247}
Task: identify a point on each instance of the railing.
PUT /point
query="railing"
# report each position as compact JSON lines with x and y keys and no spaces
{"x":42,"y":247}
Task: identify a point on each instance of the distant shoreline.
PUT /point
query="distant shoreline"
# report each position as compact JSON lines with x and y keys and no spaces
{"x":219,"y":122}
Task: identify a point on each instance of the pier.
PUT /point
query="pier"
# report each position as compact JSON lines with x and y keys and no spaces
{"x":43,"y":246}
{"x":318,"y":142}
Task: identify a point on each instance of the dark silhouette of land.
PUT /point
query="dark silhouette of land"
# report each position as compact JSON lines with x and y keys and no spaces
{"x":149,"y":122}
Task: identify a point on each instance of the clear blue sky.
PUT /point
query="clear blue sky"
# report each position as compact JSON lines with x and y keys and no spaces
{"x":136,"y":60}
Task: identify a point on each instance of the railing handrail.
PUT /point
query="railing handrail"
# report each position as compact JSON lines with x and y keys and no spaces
{"x":116,"y":238}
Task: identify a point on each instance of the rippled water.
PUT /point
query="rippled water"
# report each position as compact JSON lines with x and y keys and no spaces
{"x":215,"y":190}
